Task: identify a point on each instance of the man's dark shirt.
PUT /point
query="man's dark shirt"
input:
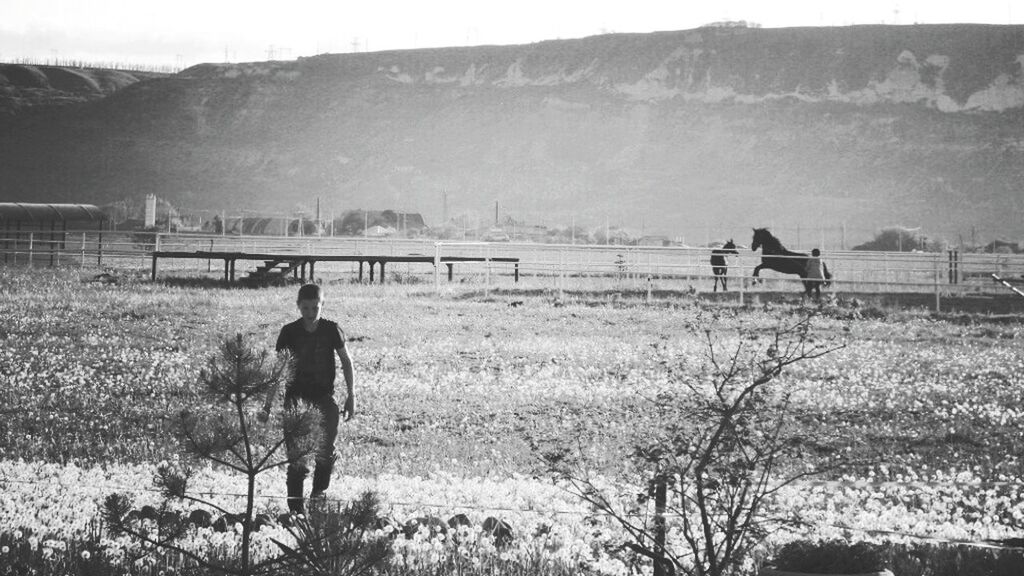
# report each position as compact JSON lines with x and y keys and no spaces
{"x":314,"y":354}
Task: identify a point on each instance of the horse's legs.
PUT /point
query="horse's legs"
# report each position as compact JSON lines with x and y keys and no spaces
{"x":719,"y":273}
{"x":755,"y":278}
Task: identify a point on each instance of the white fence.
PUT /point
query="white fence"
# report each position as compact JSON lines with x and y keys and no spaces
{"x":551,"y":265}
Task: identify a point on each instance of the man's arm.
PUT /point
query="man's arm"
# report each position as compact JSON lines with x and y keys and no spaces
{"x":346,"y":369}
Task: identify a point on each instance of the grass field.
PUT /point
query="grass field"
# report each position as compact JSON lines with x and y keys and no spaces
{"x":451,"y":389}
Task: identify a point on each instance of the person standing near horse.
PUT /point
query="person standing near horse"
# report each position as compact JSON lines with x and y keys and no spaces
{"x":775,"y":256}
{"x":814,"y":274}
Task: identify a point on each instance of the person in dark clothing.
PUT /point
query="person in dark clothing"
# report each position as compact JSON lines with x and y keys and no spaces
{"x":814,"y":275}
{"x":314,"y":343}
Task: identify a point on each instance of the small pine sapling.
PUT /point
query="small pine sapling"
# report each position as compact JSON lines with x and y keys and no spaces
{"x":231,"y":432}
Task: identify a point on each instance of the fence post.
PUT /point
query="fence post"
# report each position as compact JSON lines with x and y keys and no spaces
{"x":885,"y":259}
{"x":561,"y":272}
{"x":83,"y":249}
{"x":99,"y":250}
{"x":935,"y":277}
{"x":660,"y":500}
{"x":31,"y":237}
{"x":632,"y":262}
{"x":437,"y":267}
{"x":487,"y":273}
{"x":743,"y":278}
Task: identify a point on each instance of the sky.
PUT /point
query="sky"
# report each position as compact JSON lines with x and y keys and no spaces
{"x":180,"y":33}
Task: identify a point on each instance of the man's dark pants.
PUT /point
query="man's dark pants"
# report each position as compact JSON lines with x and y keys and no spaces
{"x":324,"y":456}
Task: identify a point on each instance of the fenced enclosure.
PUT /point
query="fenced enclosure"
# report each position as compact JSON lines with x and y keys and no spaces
{"x":557,"y":266}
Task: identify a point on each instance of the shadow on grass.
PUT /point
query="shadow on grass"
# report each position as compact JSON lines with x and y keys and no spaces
{"x":220,"y":283}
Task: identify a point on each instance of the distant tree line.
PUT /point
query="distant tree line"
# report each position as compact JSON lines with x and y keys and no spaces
{"x":906,"y":240}
{"x":73,"y":63}
{"x":731,"y":24}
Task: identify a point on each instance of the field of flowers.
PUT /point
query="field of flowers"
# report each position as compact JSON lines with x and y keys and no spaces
{"x":452,"y":390}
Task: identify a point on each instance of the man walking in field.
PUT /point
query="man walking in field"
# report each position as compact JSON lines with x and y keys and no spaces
{"x":314,"y":343}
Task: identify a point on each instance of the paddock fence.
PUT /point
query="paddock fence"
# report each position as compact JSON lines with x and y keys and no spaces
{"x":557,"y":266}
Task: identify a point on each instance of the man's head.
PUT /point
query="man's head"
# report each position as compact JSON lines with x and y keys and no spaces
{"x":310,"y":301}
{"x":815,"y":252}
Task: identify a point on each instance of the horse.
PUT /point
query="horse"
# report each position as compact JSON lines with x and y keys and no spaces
{"x":719,"y":266}
{"x":776,"y":257}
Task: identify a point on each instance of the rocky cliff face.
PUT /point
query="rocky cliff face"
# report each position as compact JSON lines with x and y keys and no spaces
{"x":695,"y":133}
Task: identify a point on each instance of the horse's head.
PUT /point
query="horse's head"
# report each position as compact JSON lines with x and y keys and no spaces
{"x":760,"y":236}
{"x":730,"y":247}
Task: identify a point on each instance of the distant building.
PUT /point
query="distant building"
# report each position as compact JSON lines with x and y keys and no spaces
{"x":16,"y":216}
{"x":654,"y":240}
{"x":1001,"y":247}
{"x":379,"y":231}
{"x":495,"y":235}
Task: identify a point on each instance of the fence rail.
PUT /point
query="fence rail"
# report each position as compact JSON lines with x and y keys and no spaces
{"x":563,"y":266}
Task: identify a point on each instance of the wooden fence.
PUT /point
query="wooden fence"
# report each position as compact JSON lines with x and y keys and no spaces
{"x":559,"y":266}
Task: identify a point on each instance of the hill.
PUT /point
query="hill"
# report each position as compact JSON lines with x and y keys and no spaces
{"x":703,"y":132}
{"x":26,"y":87}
